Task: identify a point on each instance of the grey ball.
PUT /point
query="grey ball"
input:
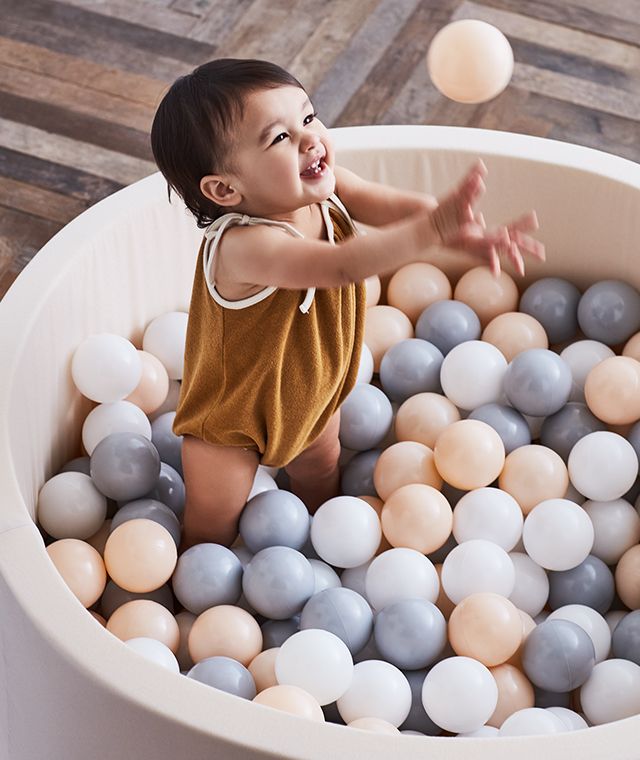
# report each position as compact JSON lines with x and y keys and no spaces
{"x":409,"y":367}
{"x":633,"y":436}
{"x":357,"y":475}
{"x":365,"y":418}
{"x":114,"y":596}
{"x":546,"y":698}
{"x":609,"y":311}
{"x":225,"y":674}
{"x":590,"y":583}
{"x":418,"y":720}
{"x":278,"y":581}
{"x":447,"y":323}
{"x":553,"y":301}
{"x":410,"y":633}
{"x":625,"y":642}
{"x":562,"y":430}
{"x":207,"y":575}
{"x":169,"y":444}
{"x":508,"y":423}
{"x":274,"y":518}
{"x":276,"y":632}
{"x":340,"y":611}
{"x":79,"y":464}
{"x":537,"y":382}
{"x":169,"y":489}
{"x":125,"y":466}
{"x":148,"y":509}
{"x":558,"y":655}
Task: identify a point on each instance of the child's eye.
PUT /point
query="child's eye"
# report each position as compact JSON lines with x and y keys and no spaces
{"x":279,"y":138}
{"x":310,"y":118}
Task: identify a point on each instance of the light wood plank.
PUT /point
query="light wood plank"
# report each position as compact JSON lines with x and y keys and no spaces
{"x":49,"y":90}
{"x":577,"y":91}
{"x":151,"y":15}
{"x":81,"y":72}
{"x":218,"y":20}
{"x":89,"y":158}
{"x":320,"y":50}
{"x":354,"y":64}
{"x":553,"y":35}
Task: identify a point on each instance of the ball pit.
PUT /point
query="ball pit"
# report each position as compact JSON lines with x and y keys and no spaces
{"x":64,"y":702}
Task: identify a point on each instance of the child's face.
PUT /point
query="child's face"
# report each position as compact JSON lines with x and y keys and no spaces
{"x":277,"y":142}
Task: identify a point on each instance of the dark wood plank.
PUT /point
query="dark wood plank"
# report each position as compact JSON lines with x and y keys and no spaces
{"x":77,"y":126}
{"x":55,"y":177}
{"x":30,"y":199}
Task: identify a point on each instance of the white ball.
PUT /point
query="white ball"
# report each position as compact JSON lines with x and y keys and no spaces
{"x":472,"y":374}
{"x":70,"y":506}
{"x":316,"y":661}
{"x":485,"y":731}
{"x":532,"y":721}
{"x":616,"y":525}
{"x":470,"y":61}
{"x":459,"y":694}
{"x":557,"y":534}
{"x":378,"y":690}
{"x":603,"y":466}
{"x":572,"y":720}
{"x":474,"y":566}
{"x":165,"y":338}
{"x":155,"y":651}
{"x":325,"y":575}
{"x":488,"y":513}
{"x":612,"y":691}
{"x":365,"y":368}
{"x":592,"y":622}
{"x":400,"y":573}
{"x":115,"y":417}
{"x":345,"y":531}
{"x":582,"y":356}
{"x":262,"y":481}
{"x":531,"y":589}
{"x":106,"y":367}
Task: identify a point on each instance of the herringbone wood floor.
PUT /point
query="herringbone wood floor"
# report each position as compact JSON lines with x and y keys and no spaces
{"x":80,"y":80}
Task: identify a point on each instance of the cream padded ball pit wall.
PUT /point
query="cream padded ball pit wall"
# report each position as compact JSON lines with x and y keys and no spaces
{"x":68,"y":689}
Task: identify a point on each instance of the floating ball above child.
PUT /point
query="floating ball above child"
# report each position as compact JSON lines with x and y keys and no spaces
{"x":470,"y":61}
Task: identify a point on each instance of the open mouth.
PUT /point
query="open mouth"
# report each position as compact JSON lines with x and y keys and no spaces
{"x":314,"y":170}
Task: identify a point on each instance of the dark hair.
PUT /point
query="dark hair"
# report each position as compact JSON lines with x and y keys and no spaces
{"x":191,"y":135}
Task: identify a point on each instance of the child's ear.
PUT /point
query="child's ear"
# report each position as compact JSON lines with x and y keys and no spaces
{"x":215,"y":189}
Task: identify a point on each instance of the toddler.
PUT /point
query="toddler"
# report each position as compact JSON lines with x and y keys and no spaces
{"x":277,"y":309}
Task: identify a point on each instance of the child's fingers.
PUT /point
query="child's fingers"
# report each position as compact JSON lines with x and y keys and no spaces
{"x":529,"y":244}
{"x":516,"y":258}
{"x":526,"y":223}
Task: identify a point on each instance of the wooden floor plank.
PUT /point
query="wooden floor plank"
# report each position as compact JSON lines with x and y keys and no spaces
{"x":149,"y":14}
{"x":81,"y":72}
{"x":359,"y":57}
{"x":80,"y":81}
{"x":56,"y":207}
{"x":52,"y":91}
{"x":54,"y":176}
{"x":77,"y":126}
{"x":79,"y":155}
{"x":557,"y":37}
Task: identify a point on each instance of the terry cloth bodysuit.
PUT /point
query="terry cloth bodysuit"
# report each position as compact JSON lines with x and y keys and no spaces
{"x":267,"y":372}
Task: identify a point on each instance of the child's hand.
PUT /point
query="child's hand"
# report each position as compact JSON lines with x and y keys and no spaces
{"x":459,"y":227}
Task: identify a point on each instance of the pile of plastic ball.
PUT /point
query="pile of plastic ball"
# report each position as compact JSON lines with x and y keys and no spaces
{"x":480,"y":574}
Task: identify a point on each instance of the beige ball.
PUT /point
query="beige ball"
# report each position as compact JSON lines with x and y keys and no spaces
{"x":291,"y":699}
{"x":532,"y":474}
{"x":403,"y":463}
{"x":470,"y":61}
{"x":417,"y":516}
{"x":423,"y":417}
{"x":144,"y":617}
{"x":469,"y":454}
{"x":487,"y":294}
{"x":81,"y":568}
{"x":225,"y":631}
{"x":416,"y":286}
{"x":384,"y":327}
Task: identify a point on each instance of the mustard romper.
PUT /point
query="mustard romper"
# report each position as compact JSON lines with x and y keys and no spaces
{"x":267,"y":372}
